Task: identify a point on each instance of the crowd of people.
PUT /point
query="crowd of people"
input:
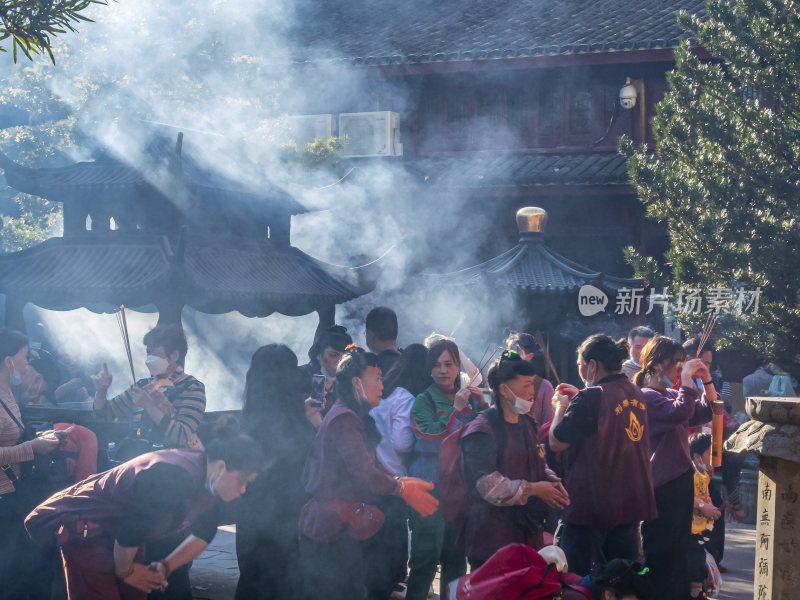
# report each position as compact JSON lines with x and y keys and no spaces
{"x":361,"y":473}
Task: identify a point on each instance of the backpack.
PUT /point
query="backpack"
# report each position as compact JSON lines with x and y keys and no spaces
{"x":452,"y":489}
{"x":515,"y":572}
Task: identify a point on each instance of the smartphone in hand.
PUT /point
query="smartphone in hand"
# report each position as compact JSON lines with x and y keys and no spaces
{"x":317,"y":390}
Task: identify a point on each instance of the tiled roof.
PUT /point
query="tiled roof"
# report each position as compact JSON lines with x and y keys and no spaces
{"x":106,"y":173}
{"x":138,"y":269}
{"x":385,"y":32}
{"x":253,"y":276}
{"x":521,"y":170}
{"x":533,"y":266}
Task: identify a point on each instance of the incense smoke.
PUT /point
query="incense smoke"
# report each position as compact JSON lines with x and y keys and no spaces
{"x":221,"y":71}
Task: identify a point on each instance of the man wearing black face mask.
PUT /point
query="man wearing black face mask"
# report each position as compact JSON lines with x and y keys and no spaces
{"x":169,"y":405}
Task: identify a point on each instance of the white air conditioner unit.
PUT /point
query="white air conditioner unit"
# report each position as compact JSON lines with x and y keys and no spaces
{"x":306,"y":128}
{"x":371,"y":133}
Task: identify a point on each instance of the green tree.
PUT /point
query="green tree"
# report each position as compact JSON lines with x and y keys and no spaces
{"x":31,"y":23}
{"x":725,"y":174}
{"x":208,"y":81}
{"x":317,"y":153}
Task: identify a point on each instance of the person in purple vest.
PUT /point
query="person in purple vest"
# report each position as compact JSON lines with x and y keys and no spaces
{"x":603,"y":429}
{"x":345,"y":479}
{"x":511,"y":486}
{"x":103,"y":523}
{"x":670,"y":413}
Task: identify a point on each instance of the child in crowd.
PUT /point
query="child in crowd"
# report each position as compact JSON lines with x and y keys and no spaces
{"x":705,"y":513}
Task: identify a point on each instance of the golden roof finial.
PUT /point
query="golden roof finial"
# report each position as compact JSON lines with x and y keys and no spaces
{"x":531,"y":219}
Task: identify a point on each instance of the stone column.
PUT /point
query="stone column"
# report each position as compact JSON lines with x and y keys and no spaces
{"x":774,"y":434}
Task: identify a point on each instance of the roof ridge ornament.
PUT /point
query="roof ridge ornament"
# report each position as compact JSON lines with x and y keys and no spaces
{"x":531,"y":222}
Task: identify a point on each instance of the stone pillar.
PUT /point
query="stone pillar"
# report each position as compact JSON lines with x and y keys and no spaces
{"x":774,"y":434}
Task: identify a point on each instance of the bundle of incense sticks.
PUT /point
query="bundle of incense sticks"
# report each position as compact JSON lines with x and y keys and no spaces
{"x":123,"y":329}
{"x":482,"y":364}
{"x":543,"y":347}
{"x":717,"y":406}
{"x":711,"y":321}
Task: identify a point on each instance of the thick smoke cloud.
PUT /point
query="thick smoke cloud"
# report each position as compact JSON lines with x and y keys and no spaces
{"x":220,"y":71}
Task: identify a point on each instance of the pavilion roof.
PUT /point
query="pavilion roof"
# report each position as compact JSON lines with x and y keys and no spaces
{"x":532,"y":266}
{"x":104,"y":271}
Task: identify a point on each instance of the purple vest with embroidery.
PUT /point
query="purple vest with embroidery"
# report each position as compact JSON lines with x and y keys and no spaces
{"x":108,"y":497}
{"x":609,"y":480}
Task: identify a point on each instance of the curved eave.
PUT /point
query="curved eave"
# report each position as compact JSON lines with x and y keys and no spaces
{"x":260,"y":278}
{"x":67,"y":273}
{"x":534,"y":267}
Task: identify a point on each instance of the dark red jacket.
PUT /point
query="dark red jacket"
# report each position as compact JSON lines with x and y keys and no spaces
{"x":110,"y":497}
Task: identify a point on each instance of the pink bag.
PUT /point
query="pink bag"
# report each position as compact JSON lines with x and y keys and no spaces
{"x":515,"y":572}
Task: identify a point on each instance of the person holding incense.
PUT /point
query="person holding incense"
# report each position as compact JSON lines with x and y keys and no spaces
{"x":603,"y":432}
{"x":166,"y":407}
{"x":445,"y":406}
{"x":511,"y":487}
{"x":525,"y":345}
{"x":670,"y":414}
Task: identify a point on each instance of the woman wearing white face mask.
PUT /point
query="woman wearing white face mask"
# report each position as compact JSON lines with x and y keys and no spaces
{"x":166,"y":407}
{"x":505,"y":467}
{"x":603,"y":430}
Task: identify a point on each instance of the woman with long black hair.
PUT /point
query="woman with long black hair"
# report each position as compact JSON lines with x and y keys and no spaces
{"x":266,"y":517}
{"x":345,"y":478}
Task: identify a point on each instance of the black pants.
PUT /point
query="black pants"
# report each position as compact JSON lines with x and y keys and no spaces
{"x":26,"y":569}
{"x":716,"y":542}
{"x":386,"y":553}
{"x":586,"y":546}
{"x":666,"y":539}
{"x":696,"y":567}
{"x":332,"y":570}
{"x":269,"y":559}
{"x":179,"y":587}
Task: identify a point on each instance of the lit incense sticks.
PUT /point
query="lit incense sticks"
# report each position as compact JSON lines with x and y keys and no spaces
{"x":543,"y":347}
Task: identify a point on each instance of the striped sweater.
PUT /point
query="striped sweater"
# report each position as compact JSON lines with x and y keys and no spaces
{"x":188,"y":400}
{"x":11,"y":451}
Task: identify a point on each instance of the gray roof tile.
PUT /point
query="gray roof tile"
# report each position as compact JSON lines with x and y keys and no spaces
{"x":392,"y":32}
